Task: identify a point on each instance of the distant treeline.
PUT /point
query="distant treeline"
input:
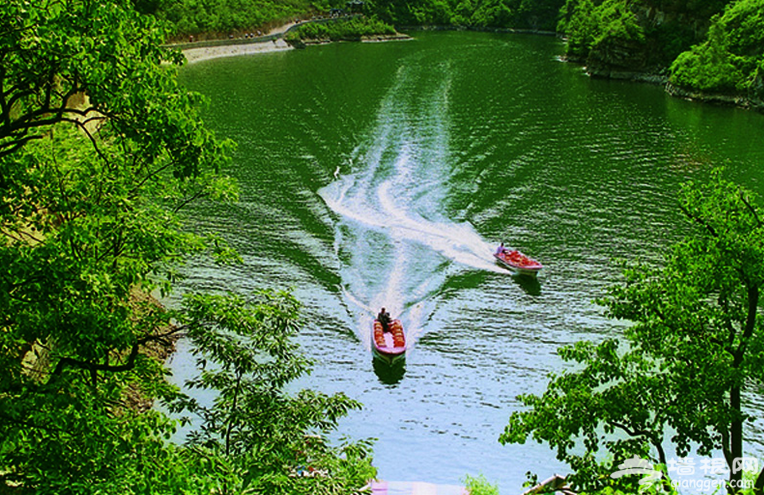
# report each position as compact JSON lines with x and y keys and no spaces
{"x":520,"y":14}
{"x":697,"y":45}
{"x":191,"y":17}
{"x":222,"y":16}
{"x":351,"y":29}
{"x":707,"y":46}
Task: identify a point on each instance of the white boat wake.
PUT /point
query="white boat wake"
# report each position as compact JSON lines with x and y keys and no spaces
{"x":393,"y":238}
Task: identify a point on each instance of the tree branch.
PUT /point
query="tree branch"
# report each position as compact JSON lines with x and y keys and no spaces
{"x":750,"y":325}
{"x":29,"y":424}
{"x":751,"y":209}
{"x":697,"y":219}
{"x":134,"y":191}
{"x":127,"y":366}
{"x":190,"y":199}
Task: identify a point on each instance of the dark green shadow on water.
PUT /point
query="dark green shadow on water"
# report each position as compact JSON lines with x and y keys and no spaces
{"x":389,"y":373}
{"x":455,"y":284}
{"x":530,"y":285}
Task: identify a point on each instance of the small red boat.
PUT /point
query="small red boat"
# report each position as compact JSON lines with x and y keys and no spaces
{"x":517,"y":261}
{"x":391,"y":345}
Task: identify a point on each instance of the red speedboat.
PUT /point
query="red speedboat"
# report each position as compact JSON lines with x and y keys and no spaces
{"x":517,"y":261}
{"x":391,"y":345}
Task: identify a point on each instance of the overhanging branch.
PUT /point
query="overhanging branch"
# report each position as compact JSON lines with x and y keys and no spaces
{"x":128,"y":365}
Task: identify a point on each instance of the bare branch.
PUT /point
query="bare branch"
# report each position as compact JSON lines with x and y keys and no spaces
{"x":750,"y":208}
{"x":698,"y":220}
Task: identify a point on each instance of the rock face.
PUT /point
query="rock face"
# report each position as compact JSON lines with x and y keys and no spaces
{"x":757,"y":93}
{"x":624,"y":59}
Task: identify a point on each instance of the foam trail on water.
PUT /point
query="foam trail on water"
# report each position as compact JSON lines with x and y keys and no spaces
{"x":456,"y":241}
{"x":393,"y":237}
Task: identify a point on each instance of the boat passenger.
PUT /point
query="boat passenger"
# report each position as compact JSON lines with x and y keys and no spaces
{"x":384,"y":319}
{"x":500,"y":249}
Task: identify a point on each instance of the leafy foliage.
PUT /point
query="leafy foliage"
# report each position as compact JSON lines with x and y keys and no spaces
{"x":100,"y":151}
{"x":696,"y":342}
{"x":225,"y":16}
{"x":478,"y":485}
{"x":581,"y":24}
{"x":268,"y":440}
{"x":656,"y":32}
{"x":342,"y":30}
{"x":99,"y":148}
{"x":732,"y":58}
{"x":526,"y":14}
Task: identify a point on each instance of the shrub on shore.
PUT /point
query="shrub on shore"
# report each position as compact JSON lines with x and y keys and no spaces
{"x":351,"y":29}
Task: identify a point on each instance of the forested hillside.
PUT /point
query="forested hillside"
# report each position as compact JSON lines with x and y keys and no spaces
{"x":226,"y":16}
{"x":628,"y":37}
{"x":223,"y":16}
{"x":701,"y":46}
{"x":518,"y":14}
{"x":731,"y":60}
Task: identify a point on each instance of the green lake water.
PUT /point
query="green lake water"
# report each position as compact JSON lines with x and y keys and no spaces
{"x":385,"y":175}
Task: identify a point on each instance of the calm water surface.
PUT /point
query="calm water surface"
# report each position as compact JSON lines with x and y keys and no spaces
{"x":385,"y":174}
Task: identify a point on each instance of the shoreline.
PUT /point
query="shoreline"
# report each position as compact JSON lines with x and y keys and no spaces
{"x":274,"y":42}
{"x":271,"y":42}
{"x":235,"y":49}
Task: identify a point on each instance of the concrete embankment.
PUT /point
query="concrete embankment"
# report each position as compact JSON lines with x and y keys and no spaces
{"x":271,"y":42}
{"x":199,"y":53}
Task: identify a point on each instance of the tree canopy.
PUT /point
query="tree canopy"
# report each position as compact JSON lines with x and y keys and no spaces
{"x":260,"y":438}
{"x":676,"y":380}
{"x":226,"y":16}
{"x":523,"y":14}
{"x":100,"y":150}
{"x":731,"y":60}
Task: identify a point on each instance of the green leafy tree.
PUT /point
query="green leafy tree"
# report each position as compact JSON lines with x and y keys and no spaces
{"x":581,"y":24}
{"x":100,"y":151}
{"x":492,"y":13}
{"x":730,"y":60}
{"x":596,"y":25}
{"x":479,"y":485}
{"x":678,"y":377}
{"x":265,"y":439}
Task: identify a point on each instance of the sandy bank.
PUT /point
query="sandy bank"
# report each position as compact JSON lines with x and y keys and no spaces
{"x":210,"y":52}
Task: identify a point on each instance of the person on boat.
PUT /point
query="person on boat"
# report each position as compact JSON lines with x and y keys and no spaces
{"x":500,"y":250}
{"x":384,"y":319}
